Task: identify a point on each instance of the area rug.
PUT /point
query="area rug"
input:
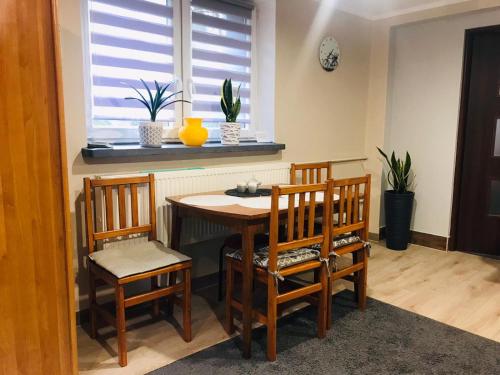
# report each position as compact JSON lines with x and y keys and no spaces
{"x":382,"y":340}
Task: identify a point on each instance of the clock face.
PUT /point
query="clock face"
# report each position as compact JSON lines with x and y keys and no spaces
{"x":329,"y":54}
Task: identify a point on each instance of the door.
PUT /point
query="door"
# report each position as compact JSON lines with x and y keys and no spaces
{"x":478,"y":212}
{"x":37,"y":321}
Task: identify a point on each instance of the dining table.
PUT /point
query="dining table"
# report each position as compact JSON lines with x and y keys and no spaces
{"x":247,"y":216}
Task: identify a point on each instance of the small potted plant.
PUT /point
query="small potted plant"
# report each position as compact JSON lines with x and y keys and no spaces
{"x":150,"y":132}
{"x":398,"y":202}
{"x":230,"y":130}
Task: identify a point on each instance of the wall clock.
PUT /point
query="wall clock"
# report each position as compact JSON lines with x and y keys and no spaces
{"x":329,"y":54}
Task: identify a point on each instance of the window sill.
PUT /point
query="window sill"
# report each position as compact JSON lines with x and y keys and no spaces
{"x":179,"y":151}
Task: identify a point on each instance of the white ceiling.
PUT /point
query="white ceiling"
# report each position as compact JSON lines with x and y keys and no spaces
{"x":379,"y":9}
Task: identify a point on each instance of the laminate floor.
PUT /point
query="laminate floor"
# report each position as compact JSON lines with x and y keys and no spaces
{"x":454,"y":288}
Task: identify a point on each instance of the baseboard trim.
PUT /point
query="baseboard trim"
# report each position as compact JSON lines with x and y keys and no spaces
{"x":422,"y":239}
{"x":197,"y":283}
{"x":429,"y":240}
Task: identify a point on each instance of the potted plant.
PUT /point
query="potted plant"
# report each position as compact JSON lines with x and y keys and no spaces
{"x":398,"y":202}
{"x":230,"y":130}
{"x":150,"y":132}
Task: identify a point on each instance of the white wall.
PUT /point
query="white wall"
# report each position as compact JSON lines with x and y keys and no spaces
{"x":377,"y":105}
{"x":424,"y":99}
{"x":317,"y":111}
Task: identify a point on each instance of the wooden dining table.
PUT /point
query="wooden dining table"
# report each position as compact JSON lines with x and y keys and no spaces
{"x":245,"y":220}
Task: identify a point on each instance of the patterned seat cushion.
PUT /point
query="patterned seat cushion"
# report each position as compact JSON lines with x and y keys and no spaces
{"x":129,"y":260}
{"x":341,"y":241}
{"x":286,"y":259}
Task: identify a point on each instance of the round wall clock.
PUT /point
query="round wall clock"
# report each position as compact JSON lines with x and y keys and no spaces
{"x":329,"y":54}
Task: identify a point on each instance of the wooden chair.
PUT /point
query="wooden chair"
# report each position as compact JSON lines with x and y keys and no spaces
{"x":232,"y":243}
{"x":121,"y":265}
{"x":349,"y":234}
{"x":310,"y":173}
{"x":289,"y":257}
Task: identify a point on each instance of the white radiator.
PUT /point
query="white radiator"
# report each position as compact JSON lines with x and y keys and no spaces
{"x":191,"y":181}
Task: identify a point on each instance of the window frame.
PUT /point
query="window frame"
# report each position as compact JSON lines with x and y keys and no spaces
{"x":182,"y":58}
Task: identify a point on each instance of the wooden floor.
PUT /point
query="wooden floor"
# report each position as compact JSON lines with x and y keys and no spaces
{"x":454,"y":288}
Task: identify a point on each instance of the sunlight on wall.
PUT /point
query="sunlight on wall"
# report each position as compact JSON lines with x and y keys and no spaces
{"x":320,"y":22}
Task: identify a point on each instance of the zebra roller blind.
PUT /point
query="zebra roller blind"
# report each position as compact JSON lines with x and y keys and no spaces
{"x":128,"y":40}
{"x":221,"y":48}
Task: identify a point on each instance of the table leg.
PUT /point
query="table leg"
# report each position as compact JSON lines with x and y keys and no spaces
{"x":248,"y":233}
{"x":175,"y":234}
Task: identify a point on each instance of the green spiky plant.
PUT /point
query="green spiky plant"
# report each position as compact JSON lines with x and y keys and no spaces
{"x":399,"y":172}
{"x":155,"y":103}
{"x":230,"y":108}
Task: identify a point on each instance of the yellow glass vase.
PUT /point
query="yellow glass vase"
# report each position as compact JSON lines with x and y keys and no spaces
{"x":192,"y":133}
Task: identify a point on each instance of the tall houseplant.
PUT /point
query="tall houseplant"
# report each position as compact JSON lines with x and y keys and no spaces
{"x":398,"y":202}
{"x":150,"y":132}
{"x":230,"y":130}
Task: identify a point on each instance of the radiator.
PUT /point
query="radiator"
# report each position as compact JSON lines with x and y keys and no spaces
{"x":191,"y":181}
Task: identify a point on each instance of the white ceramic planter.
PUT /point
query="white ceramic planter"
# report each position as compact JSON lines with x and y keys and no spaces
{"x":230,"y":133}
{"x":150,"y":134}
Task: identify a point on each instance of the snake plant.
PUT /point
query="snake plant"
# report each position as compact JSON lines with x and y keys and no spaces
{"x":155,"y":103}
{"x":230,"y":108}
{"x":399,"y":172}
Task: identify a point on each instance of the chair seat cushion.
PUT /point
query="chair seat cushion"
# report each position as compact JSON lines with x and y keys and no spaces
{"x":341,"y":241}
{"x":285,"y":259}
{"x":137,"y":258}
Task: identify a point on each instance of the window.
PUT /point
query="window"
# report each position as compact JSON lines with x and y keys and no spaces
{"x":221,"y":47}
{"x":128,"y":40}
{"x":194,"y":43}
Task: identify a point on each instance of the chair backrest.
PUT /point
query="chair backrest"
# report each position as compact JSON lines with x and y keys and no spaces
{"x":310,"y":173}
{"x":352,"y":206}
{"x":120,"y":184}
{"x":313,"y":201}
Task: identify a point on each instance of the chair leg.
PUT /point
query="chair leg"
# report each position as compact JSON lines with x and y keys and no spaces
{"x":362,"y":281}
{"x":186,"y":304}
{"x":92,"y":303}
{"x":120,"y":326}
{"x":271,"y":319}
{"x":156,"y":303}
{"x":355,"y":259}
{"x":229,"y":296}
{"x":221,"y":273}
{"x":329,"y":303}
{"x":322,"y":305}
{"x":172,"y":280}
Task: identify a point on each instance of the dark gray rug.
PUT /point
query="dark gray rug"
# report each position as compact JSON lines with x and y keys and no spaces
{"x":382,"y":340}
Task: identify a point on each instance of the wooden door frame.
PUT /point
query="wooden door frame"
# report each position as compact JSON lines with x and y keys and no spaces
{"x":464,"y":100}
{"x":70,"y":277}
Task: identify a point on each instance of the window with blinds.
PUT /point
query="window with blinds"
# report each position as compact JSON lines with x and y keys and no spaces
{"x":221,"y":48}
{"x":128,"y":40}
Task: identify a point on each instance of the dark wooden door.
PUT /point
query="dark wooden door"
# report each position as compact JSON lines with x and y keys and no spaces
{"x":478,"y":213}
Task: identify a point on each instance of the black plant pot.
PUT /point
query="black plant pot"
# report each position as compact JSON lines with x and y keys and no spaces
{"x":398,"y":210}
